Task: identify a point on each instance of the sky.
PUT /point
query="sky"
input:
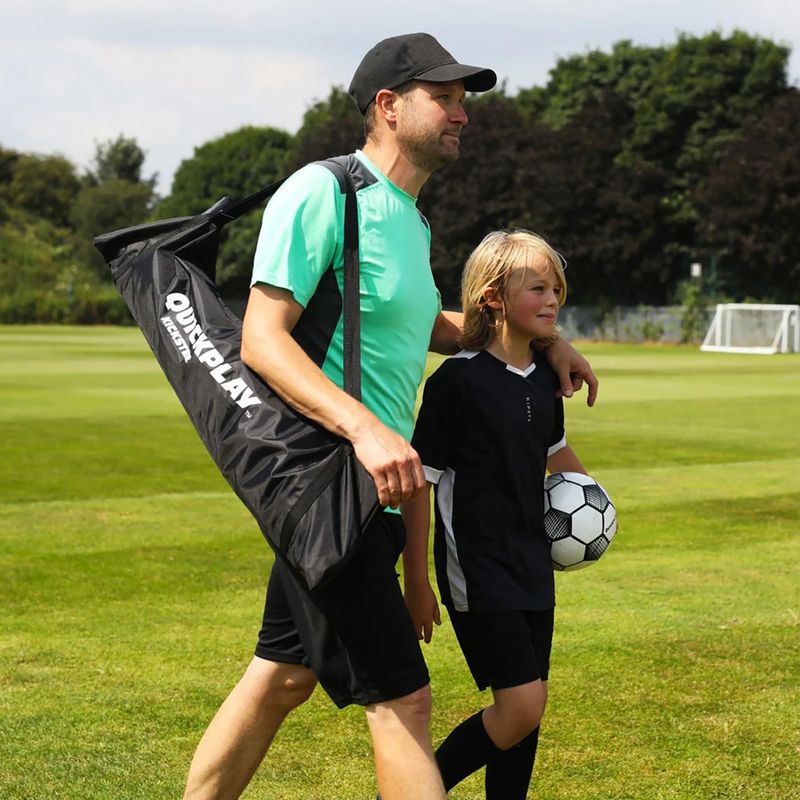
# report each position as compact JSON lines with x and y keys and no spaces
{"x":175,"y":74}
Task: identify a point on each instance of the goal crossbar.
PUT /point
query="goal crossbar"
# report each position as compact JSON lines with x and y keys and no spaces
{"x":761,"y":328}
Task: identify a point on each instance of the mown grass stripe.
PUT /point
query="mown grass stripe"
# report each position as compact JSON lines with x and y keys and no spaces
{"x":133,"y":580}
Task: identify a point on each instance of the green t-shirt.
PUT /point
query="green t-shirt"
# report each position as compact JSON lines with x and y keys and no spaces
{"x":301,"y":238}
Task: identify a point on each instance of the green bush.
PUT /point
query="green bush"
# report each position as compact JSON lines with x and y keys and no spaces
{"x":694,"y":311}
{"x":96,"y":306}
{"x":42,"y":280}
{"x":102,"y":306}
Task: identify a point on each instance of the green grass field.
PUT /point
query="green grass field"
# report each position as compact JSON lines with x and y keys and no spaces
{"x":132,"y":586}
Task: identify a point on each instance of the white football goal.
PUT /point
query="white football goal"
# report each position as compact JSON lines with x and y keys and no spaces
{"x":754,"y":328}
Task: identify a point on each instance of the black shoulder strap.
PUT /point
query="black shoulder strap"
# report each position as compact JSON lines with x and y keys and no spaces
{"x":224,"y":213}
{"x":350,"y":302}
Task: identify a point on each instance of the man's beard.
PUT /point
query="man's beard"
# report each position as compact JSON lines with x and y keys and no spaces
{"x":425,"y":149}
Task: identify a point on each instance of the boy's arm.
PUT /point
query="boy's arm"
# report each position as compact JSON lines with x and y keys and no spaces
{"x":565,"y":460}
{"x":419,"y":596}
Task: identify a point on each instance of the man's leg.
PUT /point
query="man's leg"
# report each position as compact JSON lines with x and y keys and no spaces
{"x":404,"y":762}
{"x":241,"y":732}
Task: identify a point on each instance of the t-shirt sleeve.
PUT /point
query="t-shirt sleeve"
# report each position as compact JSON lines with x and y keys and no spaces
{"x":558,"y":436}
{"x":300,"y":233}
{"x":437,"y":425}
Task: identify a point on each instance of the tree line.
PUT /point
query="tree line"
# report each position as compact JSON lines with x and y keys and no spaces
{"x":634,"y":163}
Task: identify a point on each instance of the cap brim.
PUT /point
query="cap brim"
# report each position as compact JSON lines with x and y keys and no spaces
{"x":476,"y":79}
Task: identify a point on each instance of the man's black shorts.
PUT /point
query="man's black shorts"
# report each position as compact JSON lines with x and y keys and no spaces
{"x":505,"y":648}
{"x":354,"y":633}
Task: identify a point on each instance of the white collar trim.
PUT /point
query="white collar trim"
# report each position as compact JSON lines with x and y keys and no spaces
{"x":524,"y":372}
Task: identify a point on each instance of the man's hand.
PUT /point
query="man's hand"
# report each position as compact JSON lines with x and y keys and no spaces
{"x":391,"y":461}
{"x":572,"y":369}
{"x":423,"y":608}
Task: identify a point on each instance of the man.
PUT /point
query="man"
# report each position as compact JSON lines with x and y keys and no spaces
{"x":355,"y":636}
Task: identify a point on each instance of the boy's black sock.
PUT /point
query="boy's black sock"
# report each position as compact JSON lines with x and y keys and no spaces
{"x":508,"y":773}
{"x":465,"y":750}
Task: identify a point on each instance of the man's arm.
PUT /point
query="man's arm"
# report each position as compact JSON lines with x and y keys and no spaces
{"x":269,"y":349}
{"x":445,"y":333}
{"x":570,"y":366}
{"x":420,"y":598}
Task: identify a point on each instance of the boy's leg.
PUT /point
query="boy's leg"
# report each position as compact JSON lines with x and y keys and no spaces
{"x":238,"y":737}
{"x":508,"y":774}
{"x":466,"y":749}
{"x":510,"y":651}
{"x":491,"y":733}
{"x":516,"y":712}
{"x":404,"y":762}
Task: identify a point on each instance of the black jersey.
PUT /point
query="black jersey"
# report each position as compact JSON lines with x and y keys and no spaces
{"x":484,"y":432}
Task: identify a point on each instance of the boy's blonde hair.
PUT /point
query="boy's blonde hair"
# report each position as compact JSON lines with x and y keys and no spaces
{"x":488,"y":270}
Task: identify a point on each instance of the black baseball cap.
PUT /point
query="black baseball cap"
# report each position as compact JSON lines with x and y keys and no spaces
{"x":413,"y":56}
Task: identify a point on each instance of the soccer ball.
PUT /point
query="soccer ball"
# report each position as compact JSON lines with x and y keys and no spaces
{"x":579,"y":519}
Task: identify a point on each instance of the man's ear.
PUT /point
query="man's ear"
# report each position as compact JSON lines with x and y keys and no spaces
{"x":386,"y":105}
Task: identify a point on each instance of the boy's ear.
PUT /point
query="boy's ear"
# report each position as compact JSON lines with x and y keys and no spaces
{"x":490,"y":298}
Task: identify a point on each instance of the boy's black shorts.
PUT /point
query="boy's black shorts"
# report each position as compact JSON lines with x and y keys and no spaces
{"x":354,"y":633}
{"x":505,"y":648}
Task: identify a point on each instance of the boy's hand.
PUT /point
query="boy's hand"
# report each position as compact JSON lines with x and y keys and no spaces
{"x":422,"y":608}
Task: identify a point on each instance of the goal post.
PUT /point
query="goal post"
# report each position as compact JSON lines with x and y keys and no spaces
{"x":754,"y":328}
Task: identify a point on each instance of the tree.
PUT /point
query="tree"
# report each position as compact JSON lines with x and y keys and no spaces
{"x":606,"y":217}
{"x":330,"y":127}
{"x":119,"y":159}
{"x":113,"y":195}
{"x":478,"y":193}
{"x":750,"y":207}
{"x":564,"y":184}
{"x":234,"y":165}
{"x":115,"y":203}
{"x":45,"y":186}
{"x":575,"y":80}
{"x":702,"y":93}
{"x":8,"y":158}
{"x":688,"y":101}
{"x":43,"y":280}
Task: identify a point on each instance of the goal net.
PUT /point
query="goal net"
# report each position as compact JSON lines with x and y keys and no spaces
{"x":754,"y":328}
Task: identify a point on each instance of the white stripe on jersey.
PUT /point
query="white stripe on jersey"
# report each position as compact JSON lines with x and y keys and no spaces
{"x":557,"y":446}
{"x":455,"y":575}
{"x":432,"y":475}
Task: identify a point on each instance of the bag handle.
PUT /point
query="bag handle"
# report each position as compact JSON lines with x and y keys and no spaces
{"x":223,"y":214}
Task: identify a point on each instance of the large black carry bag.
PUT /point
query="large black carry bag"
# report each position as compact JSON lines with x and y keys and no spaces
{"x":310,"y":495}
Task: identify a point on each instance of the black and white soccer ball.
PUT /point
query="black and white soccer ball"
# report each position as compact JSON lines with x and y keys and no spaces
{"x":579,"y":519}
